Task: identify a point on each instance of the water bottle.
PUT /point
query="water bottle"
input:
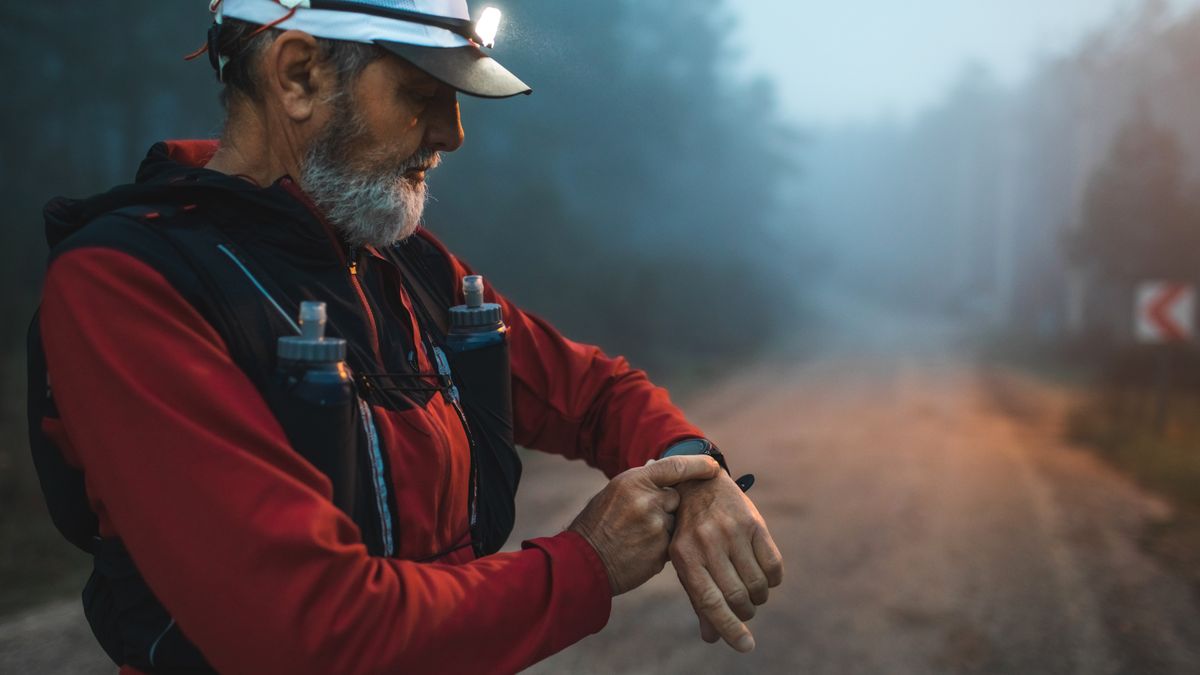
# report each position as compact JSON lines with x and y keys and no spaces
{"x":479,"y":361}
{"x":319,"y":387}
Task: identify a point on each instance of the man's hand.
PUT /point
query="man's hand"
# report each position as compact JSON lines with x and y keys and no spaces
{"x":629,"y":522}
{"x":725,"y":558}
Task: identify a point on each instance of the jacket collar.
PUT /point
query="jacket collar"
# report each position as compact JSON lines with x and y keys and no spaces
{"x":279,"y":215}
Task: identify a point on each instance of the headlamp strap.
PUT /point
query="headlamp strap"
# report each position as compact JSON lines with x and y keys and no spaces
{"x":462,"y":27}
{"x":215,"y":59}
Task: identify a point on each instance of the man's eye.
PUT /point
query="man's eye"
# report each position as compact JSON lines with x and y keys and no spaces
{"x":420,"y":97}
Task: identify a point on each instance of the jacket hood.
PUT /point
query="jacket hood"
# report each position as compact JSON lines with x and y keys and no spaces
{"x":173,"y":174}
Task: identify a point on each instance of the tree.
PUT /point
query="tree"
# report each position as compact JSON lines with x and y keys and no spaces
{"x":629,"y":198}
{"x":1136,"y":222}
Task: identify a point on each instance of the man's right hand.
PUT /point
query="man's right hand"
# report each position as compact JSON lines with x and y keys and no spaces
{"x":629,"y":522}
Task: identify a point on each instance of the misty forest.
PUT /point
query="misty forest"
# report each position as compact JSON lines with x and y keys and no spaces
{"x":650,"y":199}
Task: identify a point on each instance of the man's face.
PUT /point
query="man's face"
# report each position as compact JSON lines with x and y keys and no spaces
{"x":366,"y":168}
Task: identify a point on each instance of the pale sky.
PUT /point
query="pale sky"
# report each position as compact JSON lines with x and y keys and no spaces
{"x":836,"y":61}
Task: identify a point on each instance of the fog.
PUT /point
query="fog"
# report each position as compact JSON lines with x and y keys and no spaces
{"x":834,"y":63}
{"x":721,"y":187}
{"x":981,"y":197}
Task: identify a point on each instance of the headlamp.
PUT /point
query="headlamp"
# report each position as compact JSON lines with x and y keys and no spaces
{"x":481,"y":32}
{"x":487,"y":26}
{"x":439,"y":37}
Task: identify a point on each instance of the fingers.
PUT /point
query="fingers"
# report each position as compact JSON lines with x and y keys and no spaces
{"x":750,"y":572}
{"x":650,"y":501}
{"x":732,"y":588}
{"x":770,"y":560}
{"x":659,"y":526}
{"x":709,"y":603}
{"x":725,"y":559}
{"x":680,"y":469}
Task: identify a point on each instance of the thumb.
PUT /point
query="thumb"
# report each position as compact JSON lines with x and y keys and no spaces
{"x":680,"y":469}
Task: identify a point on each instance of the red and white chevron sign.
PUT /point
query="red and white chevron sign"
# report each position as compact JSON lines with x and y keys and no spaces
{"x":1166,"y":312}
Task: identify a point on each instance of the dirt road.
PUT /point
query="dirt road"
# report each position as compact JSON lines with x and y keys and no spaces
{"x":931,"y":519}
{"x":932,"y":522}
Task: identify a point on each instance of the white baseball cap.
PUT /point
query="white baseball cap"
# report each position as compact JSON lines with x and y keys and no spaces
{"x":436,"y":36}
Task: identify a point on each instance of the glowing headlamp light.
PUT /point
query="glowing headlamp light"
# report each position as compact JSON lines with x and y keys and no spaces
{"x":487,"y":26}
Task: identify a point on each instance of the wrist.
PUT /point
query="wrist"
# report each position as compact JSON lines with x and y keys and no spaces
{"x":698,"y":486}
{"x":588,"y":537}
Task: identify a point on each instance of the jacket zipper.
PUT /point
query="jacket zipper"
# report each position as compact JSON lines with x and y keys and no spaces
{"x":374,"y":450}
{"x":373,"y":447}
{"x":373,"y":335}
{"x":450,"y":392}
{"x":351,"y":263}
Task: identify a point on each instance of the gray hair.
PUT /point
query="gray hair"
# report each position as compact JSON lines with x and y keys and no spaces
{"x":239,"y":43}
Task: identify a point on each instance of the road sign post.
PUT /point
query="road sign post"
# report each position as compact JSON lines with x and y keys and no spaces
{"x":1165,"y":316}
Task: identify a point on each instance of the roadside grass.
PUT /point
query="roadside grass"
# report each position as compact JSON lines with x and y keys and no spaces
{"x":1138,"y":408}
{"x":1158,"y":443}
{"x":1142,"y":413}
{"x":1158,"y":447}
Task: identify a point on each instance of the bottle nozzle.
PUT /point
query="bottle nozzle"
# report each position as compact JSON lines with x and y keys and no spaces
{"x":311,"y":345}
{"x":473,"y":290}
{"x":312,"y":320}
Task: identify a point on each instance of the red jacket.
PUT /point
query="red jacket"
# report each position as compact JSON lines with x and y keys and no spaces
{"x":237,"y":535}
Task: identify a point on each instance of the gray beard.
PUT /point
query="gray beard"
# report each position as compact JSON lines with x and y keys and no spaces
{"x":370,"y":207}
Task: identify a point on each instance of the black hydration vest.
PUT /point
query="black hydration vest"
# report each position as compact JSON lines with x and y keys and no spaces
{"x":247,"y":309}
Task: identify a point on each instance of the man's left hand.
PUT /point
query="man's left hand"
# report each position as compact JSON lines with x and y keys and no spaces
{"x":725,"y":558}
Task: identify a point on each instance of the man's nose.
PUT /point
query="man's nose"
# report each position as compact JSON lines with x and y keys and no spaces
{"x":444,"y":132}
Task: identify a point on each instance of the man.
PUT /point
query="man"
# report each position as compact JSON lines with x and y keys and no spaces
{"x":218,"y":544}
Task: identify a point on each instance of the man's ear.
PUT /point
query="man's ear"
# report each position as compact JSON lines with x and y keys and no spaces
{"x":294,"y":75}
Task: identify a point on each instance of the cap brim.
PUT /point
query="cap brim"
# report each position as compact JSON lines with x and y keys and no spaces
{"x":467,"y":69}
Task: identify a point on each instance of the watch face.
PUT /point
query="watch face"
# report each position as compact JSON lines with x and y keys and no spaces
{"x":694,"y":446}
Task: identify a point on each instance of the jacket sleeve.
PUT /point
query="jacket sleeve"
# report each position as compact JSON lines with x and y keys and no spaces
{"x":237,"y":535}
{"x":572,"y":399}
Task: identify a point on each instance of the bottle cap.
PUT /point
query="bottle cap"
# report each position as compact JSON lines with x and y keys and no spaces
{"x":311,"y":346}
{"x":475,"y":314}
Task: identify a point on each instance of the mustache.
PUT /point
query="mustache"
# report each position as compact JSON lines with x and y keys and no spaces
{"x":423,"y":159}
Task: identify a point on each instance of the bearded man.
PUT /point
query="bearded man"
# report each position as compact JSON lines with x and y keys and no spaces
{"x":167,"y":450}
